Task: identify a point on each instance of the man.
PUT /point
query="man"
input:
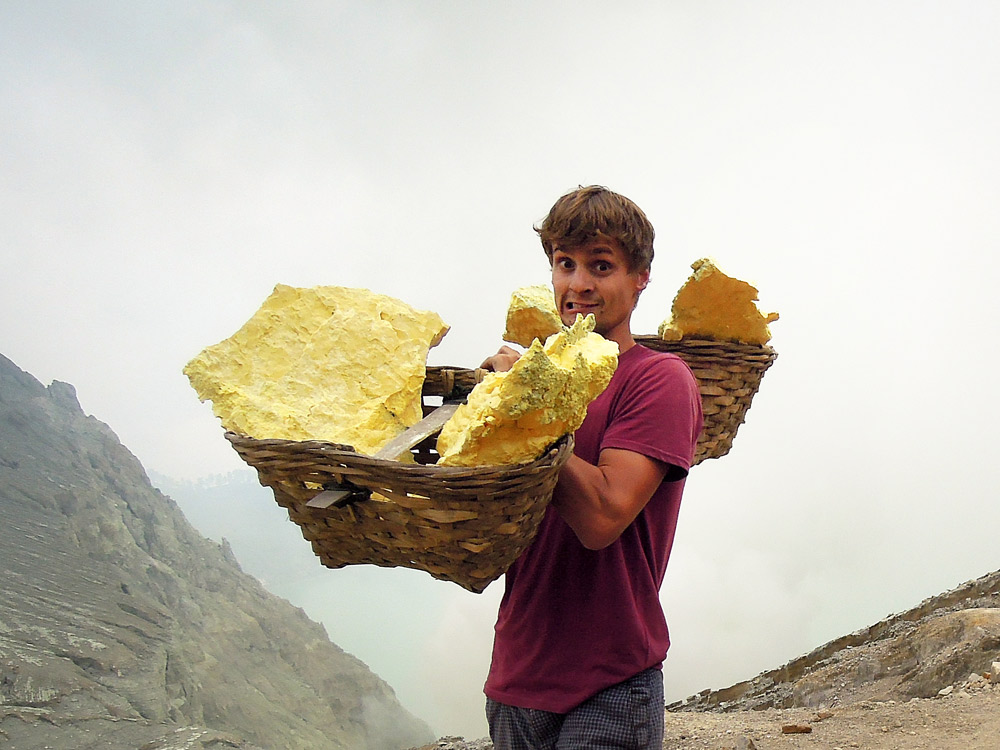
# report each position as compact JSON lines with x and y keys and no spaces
{"x":580,"y":636}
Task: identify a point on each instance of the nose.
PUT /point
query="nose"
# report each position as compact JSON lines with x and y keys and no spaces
{"x":581,"y":281}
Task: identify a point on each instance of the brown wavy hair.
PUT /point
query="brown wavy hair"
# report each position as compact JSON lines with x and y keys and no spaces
{"x":589,"y":211}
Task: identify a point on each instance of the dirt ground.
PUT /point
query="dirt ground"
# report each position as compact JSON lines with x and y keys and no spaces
{"x":963,"y":720}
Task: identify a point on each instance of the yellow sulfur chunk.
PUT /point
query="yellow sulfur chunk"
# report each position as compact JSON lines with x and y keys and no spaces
{"x":328,"y":363}
{"x":713,"y":305}
{"x":514,"y":416}
{"x":531,"y":315}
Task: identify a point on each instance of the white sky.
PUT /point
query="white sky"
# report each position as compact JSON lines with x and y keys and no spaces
{"x":165,"y":164}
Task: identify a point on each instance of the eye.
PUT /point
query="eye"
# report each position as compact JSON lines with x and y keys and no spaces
{"x":603,"y":266}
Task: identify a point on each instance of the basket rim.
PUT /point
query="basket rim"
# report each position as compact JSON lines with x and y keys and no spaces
{"x":698,"y":346}
{"x":695,"y":342}
{"x":345,"y":454}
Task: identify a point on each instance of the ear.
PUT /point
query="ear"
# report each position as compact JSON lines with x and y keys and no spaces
{"x":641,"y":280}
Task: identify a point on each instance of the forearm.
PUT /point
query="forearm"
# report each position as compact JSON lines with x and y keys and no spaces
{"x":582,"y":499}
{"x":599,"y":502}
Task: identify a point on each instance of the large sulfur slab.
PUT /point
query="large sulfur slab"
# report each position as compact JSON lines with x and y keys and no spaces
{"x":713,"y":305}
{"x":531,"y":315}
{"x":514,"y":416}
{"x":329,"y":363}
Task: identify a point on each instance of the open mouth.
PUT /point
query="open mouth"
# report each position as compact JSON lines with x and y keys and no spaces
{"x":580,"y":307}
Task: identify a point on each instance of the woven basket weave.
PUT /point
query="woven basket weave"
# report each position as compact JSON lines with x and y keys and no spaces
{"x":466,"y":525}
{"x":728,"y":375}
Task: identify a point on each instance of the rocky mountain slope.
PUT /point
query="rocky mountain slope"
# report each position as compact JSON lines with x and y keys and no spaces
{"x":914,"y":654}
{"x":924,"y":679}
{"x":122,"y":627}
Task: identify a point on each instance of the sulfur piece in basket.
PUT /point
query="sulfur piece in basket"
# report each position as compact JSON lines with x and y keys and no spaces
{"x":531,"y":315}
{"x":321,"y":363}
{"x":514,"y":416}
{"x":716,"y":306}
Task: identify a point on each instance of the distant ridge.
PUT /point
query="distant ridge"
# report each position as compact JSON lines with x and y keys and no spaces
{"x":122,"y":627}
{"x":913,"y":654}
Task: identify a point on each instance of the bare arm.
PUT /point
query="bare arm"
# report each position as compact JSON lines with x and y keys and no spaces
{"x":502,"y":361}
{"x":599,"y":502}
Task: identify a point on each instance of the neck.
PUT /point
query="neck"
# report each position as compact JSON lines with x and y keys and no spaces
{"x":625,"y":345}
{"x":622,"y":336}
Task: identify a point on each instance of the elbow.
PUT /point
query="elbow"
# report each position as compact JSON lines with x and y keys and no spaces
{"x":596,"y":543}
{"x":597,"y":516}
{"x":597,"y":536}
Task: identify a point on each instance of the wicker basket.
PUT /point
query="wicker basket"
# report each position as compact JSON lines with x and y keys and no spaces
{"x":465,"y":525}
{"x":728,"y":375}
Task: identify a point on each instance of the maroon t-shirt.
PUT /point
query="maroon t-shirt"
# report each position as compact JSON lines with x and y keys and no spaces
{"x":574,"y":621}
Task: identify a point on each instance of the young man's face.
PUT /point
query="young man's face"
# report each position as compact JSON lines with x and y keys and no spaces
{"x":594,"y":278}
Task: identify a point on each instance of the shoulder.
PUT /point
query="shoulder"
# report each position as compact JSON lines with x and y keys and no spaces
{"x":641,"y":364}
{"x":648,"y":379}
{"x":656,"y":408}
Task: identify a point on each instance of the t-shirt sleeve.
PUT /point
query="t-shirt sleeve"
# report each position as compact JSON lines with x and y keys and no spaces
{"x":658,"y":414}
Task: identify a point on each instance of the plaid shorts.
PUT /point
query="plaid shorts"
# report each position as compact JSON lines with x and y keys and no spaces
{"x":628,"y":716}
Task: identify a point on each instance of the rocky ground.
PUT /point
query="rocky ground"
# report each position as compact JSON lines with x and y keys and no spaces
{"x":966,"y":719}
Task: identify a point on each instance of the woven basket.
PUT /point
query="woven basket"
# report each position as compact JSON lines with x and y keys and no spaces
{"x":466,"y":525}
{"x":728,"y":375}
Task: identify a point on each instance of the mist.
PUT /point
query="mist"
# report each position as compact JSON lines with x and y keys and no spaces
{"x":165,"y":166}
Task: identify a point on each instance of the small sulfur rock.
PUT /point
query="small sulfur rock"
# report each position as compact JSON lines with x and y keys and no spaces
{"x":531,"y":315}
{"x":713,"y":305}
